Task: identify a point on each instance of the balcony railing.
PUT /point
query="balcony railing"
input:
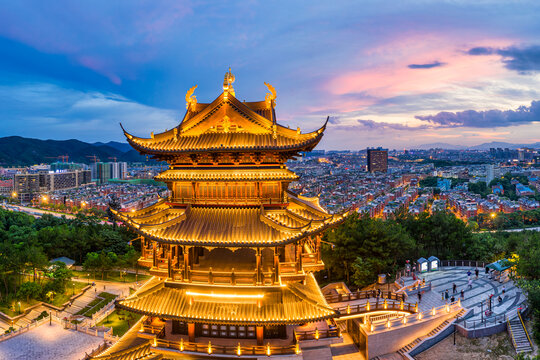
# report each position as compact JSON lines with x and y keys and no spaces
{"x":358,"y":295}
{"x":317,"y":334}
{"x":380,"y":304}
{"x":211,"y":349}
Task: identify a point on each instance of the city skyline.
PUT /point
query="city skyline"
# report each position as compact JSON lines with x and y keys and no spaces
{"x":396,"y":76}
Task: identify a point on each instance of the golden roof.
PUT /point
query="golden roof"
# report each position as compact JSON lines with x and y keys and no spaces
{"x":294,"y":303}
{"x":234,"y":226}
{"x":226,"y":124}
{"x":221,"y":174}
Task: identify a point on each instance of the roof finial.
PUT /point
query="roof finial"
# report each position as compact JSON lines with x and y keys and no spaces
{"x":228,"y":81}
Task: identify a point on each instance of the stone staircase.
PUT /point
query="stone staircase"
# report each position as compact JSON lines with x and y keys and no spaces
{"x":404,"y":350}
{"x":519,"y":335}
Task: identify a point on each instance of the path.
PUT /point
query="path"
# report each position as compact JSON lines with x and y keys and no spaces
{"x":48,"y":342}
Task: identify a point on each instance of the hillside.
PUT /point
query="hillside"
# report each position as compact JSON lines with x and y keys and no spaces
{"x":19,"y":151}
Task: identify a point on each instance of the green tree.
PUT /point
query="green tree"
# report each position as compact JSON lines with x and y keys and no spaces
{"x":131,"y":259}
{"x":35,"y":259}
{"x":29,"y":290}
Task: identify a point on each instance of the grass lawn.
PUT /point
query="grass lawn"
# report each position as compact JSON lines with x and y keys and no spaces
{"x":111,"y":276}
{"x":120,"y":321}
{"x":72,"y":287}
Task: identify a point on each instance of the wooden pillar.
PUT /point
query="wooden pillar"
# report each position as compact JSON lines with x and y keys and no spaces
{"x":258,"y":262}
{"x":191,"y":332}
{"x":169,"y":262}
{"x":276,"y":265}
{"x":186,"y":262}
{"x":297,"y":257}
{"x":318,"y":247}
{"x":178,"y":260}
{"x":260,"y":335}
{"x":154,"y":255}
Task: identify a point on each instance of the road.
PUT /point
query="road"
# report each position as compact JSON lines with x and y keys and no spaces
{"x":33,"y":211}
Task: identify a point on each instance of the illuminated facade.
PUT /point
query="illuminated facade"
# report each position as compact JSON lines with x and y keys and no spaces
{"x":377,"y":160}
{"x":232,"y":250}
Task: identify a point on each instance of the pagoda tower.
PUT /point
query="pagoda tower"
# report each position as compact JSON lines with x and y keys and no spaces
{"x":232,"y":250}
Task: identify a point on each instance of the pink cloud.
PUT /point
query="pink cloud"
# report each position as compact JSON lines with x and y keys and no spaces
{"x":100,"y":66}
{"x":387,"y":73}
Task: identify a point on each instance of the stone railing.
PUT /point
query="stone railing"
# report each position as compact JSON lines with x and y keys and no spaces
{"x":378,"y":305}
{"x":363,"y":294}
{"x":104,"y":311}
{"x":28,"y":327}
{"x":413,"y":318}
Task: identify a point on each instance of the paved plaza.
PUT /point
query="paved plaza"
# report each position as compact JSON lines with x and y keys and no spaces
{"x":474,"y":297}
{"x":47,"y":342}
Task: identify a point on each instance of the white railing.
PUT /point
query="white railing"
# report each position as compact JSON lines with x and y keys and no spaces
{"x":494,"y":320}
{"x":103,"y":312}
{"x":28,"y":327}
{"x":406,"y":319}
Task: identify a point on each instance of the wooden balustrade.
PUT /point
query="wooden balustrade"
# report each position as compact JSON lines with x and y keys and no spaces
{"x":209,"y":348}
{"x":317,"y":334}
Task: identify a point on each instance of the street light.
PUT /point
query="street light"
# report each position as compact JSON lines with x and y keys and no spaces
{"x":493,"y":215}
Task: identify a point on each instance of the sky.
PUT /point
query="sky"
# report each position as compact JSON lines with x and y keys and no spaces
{"x":388,"y":73}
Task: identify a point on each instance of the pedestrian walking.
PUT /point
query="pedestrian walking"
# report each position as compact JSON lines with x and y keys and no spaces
{"x":454,"y":288}
{"x":419,"y":296}
{"x":452,"y":299}
{"x":469,"y":273}
{"x":477,"y":272}
{"x":470,"y":284}
{"x":462,"y":294}
{"x":503,"y":289}
{"x":446,"y":295}
{"x":500,"y":299}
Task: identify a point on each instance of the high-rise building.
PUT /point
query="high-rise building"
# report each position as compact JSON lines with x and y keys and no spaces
{"x":64,"y":180}
{"x":104,"y":171}
{"x":232,"y":250}
{"x":26,"y":186}
{"x":377,"y":159}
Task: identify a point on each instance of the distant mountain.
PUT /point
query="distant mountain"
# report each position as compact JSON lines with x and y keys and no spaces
{"x":439,"y":146}
{"x":123,"y":147}
{"x":484,"y":146}
{"x":19,"y":151}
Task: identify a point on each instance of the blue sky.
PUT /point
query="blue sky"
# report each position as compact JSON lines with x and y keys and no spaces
{"x":395,"y":74}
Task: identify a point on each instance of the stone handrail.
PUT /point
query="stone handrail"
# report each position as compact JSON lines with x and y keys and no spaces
{"x":495,"y":320}
{"x":414,"y":317}
{"x":28,"y":327}
{"x":363,"y":294}
{"x":377,"y":305}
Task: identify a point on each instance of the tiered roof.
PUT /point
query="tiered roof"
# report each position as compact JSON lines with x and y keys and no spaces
{"x":238,"y":226}
{"x":227,"y":174}
{"x":294,"y":303}
{"x":226,"y":125}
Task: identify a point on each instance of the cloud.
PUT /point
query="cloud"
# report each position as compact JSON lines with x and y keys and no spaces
{"x":426,"y":66}
{"x":49,"y":110}
{"x":334,"y":120}
{"x":485,"y":119}
{"x":367,"y":124}
{"x":523,"y":60}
